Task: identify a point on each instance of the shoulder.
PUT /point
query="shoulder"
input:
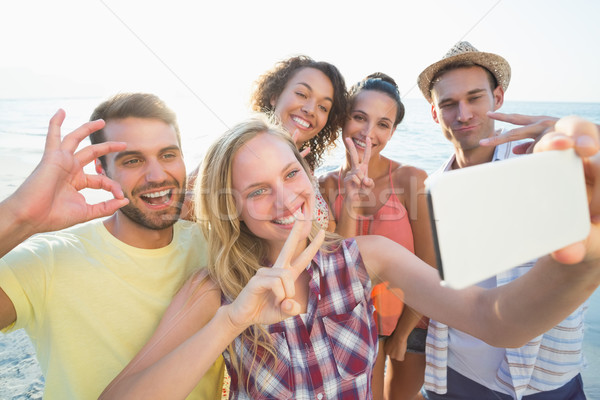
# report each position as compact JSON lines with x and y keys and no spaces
{"x":65,"y":239}
{"x":189,"y":231}
{"x":406,"y":174}
{"x":198,"y":287}
{"x":329,"y":178}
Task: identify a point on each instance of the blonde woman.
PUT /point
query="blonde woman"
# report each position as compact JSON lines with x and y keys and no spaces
{"x":291,"y":325}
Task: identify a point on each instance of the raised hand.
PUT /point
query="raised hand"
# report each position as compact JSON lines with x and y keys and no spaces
{"x":49,"y":199}
{"x":532,"y":127}
{"x":304,"y":152}
{"x":584,"y":137}
{"x":268,"y":296}
{"x":356,"y":181}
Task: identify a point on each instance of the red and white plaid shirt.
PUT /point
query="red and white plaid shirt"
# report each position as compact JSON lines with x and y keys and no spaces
{"x":327,"y":353}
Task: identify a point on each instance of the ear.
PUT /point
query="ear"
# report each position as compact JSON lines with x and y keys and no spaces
{"x":273,"y":101}
{"x":98,"y":167}
{"x":434,"y":113}
{"x":498,"y":94}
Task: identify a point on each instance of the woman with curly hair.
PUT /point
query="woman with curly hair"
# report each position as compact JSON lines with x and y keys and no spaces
{"x":307,"y":97}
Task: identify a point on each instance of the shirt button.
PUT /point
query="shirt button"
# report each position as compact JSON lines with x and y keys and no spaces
{"x":320,"y":396}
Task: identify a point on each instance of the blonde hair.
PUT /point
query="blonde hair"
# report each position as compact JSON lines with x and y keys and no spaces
{"x":234,"y":252}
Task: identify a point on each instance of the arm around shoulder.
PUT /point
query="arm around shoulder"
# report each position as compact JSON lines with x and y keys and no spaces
{"x":190,"y":337}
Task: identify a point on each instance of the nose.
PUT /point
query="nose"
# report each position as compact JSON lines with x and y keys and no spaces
{"x":285,"y":197}
{"x":368,"y":130}
{"x":464,"y":112}
{"x":309,"y":106}
{"x":155,"y":171}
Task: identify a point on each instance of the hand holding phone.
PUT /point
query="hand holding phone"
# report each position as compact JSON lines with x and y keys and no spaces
{"x":492,"y":217}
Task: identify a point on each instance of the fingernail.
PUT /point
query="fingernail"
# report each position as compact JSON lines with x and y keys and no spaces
{"x":484,"y":141}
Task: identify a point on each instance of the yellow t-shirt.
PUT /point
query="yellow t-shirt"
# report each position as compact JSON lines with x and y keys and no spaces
{"x":89,"y":302}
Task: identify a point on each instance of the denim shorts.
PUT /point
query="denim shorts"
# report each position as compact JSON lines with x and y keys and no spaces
{"x":461,"y":387}
{"x":416,"y":341}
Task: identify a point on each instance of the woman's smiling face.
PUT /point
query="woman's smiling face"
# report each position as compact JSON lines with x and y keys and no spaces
{"x":304,"y":103}
{"x":271,"y":188}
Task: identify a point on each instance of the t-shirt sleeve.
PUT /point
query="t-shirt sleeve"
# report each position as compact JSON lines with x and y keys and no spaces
{"x":23,"y":277}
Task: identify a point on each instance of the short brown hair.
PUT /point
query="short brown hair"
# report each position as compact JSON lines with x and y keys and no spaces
{"x":137,"y":105}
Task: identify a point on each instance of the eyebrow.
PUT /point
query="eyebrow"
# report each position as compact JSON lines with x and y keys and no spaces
{"x":253,"y":185}
{"x":311,"y":89}
{"x":128,"y":153}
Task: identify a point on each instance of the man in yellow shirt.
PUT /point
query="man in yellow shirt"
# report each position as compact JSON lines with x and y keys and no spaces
{"x":90,"y":296}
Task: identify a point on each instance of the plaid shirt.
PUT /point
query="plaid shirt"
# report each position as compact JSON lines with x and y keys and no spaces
{"x":327,"y":353}
{"x":547,"y":362}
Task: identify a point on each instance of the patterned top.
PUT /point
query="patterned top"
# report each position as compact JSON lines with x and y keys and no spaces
{"x":327,"y":353}
{"x":547,"y":362}
{"x":321,"y":211}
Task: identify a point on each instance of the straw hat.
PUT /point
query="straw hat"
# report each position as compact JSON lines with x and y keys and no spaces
{"x":464,"y":51}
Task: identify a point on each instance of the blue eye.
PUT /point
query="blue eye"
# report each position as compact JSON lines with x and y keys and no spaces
{"x":255,"y":193}
{"x":293,"y":173}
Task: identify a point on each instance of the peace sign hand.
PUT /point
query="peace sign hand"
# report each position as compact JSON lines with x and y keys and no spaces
{"x":268,"y":296}
{"x":356,"y":181}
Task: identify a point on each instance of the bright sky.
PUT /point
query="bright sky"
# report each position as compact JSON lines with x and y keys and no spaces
{"x":206,"y":55}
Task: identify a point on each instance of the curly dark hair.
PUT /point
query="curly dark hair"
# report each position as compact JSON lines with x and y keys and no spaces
{"x":383,"y":83}
{"x":271,"y":84}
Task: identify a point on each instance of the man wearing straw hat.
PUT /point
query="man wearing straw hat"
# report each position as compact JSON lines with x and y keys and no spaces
{"x":462,"y":88}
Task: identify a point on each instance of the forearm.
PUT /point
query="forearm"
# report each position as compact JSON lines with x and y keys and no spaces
{"x":406,"y":323}
{"x":176,"y":374}
{"x":346,"y":225}
{"x":539,"y":300}
{"x":14,"y":229}
{"x":507,"y":316}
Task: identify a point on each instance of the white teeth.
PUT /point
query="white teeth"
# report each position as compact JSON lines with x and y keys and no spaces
{"x":285,"y":221}
{"x":298,"y":214}
{"x":301,"y":122}
{"x":291,"y":219}
{"x":360,"y":143}
{"x":157,"y":194}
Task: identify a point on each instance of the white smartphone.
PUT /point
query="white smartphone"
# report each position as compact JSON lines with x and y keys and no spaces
{"x":492,"y":217}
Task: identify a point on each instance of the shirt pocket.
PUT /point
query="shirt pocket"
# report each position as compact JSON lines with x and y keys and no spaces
{"x":274,"y":380}
{"x":350,"y":336}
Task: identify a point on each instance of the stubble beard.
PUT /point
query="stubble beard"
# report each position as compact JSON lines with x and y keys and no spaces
{"x":155,"y":220}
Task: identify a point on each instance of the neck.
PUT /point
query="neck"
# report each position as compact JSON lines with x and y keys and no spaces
{"x":274,"y":250}
{"x":469,"y":158}
{"x":137,"y":235}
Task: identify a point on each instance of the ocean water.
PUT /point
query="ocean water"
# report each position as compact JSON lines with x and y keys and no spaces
{"x":418,"y":142}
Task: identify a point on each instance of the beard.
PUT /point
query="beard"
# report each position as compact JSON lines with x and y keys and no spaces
{"x":155,"y":220}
